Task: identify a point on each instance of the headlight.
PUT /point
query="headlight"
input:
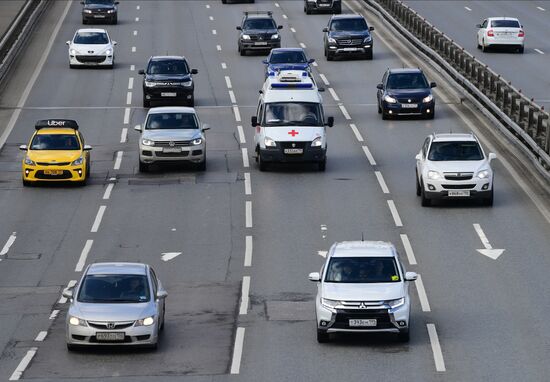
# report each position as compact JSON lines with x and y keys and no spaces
{"x":149,"y":84}
{"x":331,"y":40}
{"x":147,"y":321}
{"x":434,"y":175}
{"x":367,"y":39}
{"x":317,"y":142}
{"x":111,"y":11}
{"x":396,"y":303}
{"x":269,"y":142}
{"x":389,"y":99}
{"x":428,"y":99}
{"x":73,"y":52}
{"x":147,"y":142}
{"x":87,"y":11}
{"x":29,"y":162}
{"x":78,"y":162}
{"x":275,"y":36}
{"x":109,"y":52}
{"x":77,"y":321}
{"x":332,"y":304}
{"x":187,"y":83}
{"x":245,"y":37}
{"x":197,"y":141}
{"x":483,"y":174}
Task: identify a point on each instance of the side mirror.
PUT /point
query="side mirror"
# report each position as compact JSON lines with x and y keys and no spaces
{"x":314,"y":276}
{"x":261,"y":91}
{"x":265,"y":62}
{"x":410,"y":276}
{"x":162,"y":293}
{"x":330,"y":121}
{"x":67,"y":293}
{"x":325,"y":29}
{"x":239,"y":28}
{"x":418,"y":157}
{"x":371,"y":29}
{"x":114,"y":42}
{"x":137,"y":128}
{"x":82,"y":2}
{"x":380,"y":87}
{"x":478,"y":25}
{"x":23,"y":148}
{"x":205,"y":127}
{"x":87,"y":148}
{"x":321,"y":89}
{"x":194,"y":71}
{"x":254,"y":121}
{"x":141,"y":71}
{"x":311,"y":61}
{"x":117,"y":2}
{"x":492,"y":156}
{"x":279,"y":27}
{"x":68,"y":42}
{"x":433,"y":84}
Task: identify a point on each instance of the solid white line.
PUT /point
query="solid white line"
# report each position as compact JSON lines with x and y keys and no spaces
{"x":54,"y":314}
{"x":129,"y":98}
{"x":98,"y":218}
{"x":228,"y":82}
{"x":232,"y":97}
{"x":34,"y":77}
{"x":482,"y":236}
{"x":408,"y":249}
{"x":247,"y":184}
{"x":285,"y":17}
{"x":292,"y":30}
{"x":108,"y":191}
{"x":237,"y":351}
{"x":436,"y":348}
{"x":395,"y":214}
{"x":244,"y":295}
{"x":135,"y":33}
{"x":242,"y":138}
{"x":132,"y":68}
{"x":41,"y":336}
{"x":211,"y":18}
{"x":303,"y":45}
{"x":8,"y":244}
{"x":219,"y":47}
{"x":123,"y":135}
{"x":541,"y":9}
{"x":237,"y":113}
{"x":130,"y":83}
{"x":356,"y":132}
{"x":539,"y":51}
{"x":324,"y":79}
{"x":248,"y":213}
{"x":333,"y":94}
{"x":84,"y":254}
{"x":214,"y":32}
{"x":382,"y":182}
{"x":369,"y":156}
{"x":246,"y":163}
{"x":248,"y":251}
{"x":224,"y":65}
{"x":126,"y":115}
{"x":422,"y":296}
{"x":468,"y":9}
{"x":18,"y":373}
{"x":344,"y":111}
{"x":118,"y":160}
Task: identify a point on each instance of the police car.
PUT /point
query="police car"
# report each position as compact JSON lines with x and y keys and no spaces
{"x":290,"y":123}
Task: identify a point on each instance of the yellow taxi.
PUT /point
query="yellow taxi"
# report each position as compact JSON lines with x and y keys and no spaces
{"x":56,"y":152}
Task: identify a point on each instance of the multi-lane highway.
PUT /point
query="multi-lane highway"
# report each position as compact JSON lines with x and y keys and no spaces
{"x":240,"y":306}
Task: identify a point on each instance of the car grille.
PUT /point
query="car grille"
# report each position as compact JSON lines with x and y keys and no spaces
{"x":293,"y":145}
{"x":86,"y":59}
{"x":458,"y":176}
{"x":104,"y":325}
{"x":171,"y":155}
{"x":174,"y":143}
{"x":409,"y":100}
{"x":53,"y":163}
{"x":458,"y":186}
{"x":260,"y":37}
{"x":381,"y":315}
{"x":66,"y":175}
{"x":350,"y":42}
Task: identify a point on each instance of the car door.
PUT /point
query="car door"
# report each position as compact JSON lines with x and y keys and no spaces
{"x":481,"y":32}
{"x":82,"y":143}
{"x":156,"y":287}
{"x":422,"y":157}
{"x":380,"y":92}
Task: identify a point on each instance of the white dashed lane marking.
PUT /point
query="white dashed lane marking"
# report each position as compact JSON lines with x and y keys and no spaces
{"x":129,"y":98}
{"x":126,"y":115}
{"x":8,"y":244}
{"x":84,"y":254}
{"x":133,"y":49}
{"x":137,"y":19}
{"x":324,"y":79}
{"x":240,"y":131}
{"x":118,"y":160}
{"x":214,"y":32}
{"x":539,"y":51}
{"x":108,"y":190}
{"x":219,"y":47}
{"x":211,"y":18}
{"x":395,"y":214}
{"x":245,"y":295}
{"x":54,"y":314}
{"x":237,"y":351}
{"x":41,"y":336}
{"x":207,"y":6}
{"x":345,"y":112}
{"x":224,"y":65}
{"x":237,"y":113}
{"x":248,"y":214}
{"x":138,"y":7}
{"x":248,"y":251}
{"x":228,"y":82}
{"x":98,"y":217}
{"x":422,"y":296}
{"x":132,"y":68}
{"x":382,"y":182}
{"x":436,"y":348}
{"x":130,"y":83}
{"x":246,"y":163}
{"x":135,"y":33}
{"x":232,"y":97}
{"x":303,"y":45}
{"x":285,"y":17}
{"x":247,"y":184}
{"x":292,"y":30}
{"x":333,"y":94}
{"x":468,"y":9}
{"x":123,"y":135}
{"x":408,"y":249}
{"x":356,"y":132}
{"x":369,"y":156}
{"x":541,"y":9}
{"x":18,"y":373}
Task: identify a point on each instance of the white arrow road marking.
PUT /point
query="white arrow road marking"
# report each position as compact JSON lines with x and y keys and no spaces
{"x":322,"y":253}
{"x":167,"y":256}
{"x":489,"y":251}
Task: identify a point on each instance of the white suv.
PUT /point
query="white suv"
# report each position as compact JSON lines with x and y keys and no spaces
{"x":501,"y":32}
{"x":451,"y":166}
{"x":362,"y":287}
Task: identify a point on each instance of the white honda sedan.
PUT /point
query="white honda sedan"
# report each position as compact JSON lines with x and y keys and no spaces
{"x":91,"y":47}
{"x":500,"y":32}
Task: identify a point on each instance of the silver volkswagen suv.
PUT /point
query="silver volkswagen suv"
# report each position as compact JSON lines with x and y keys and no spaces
{"x":172,"y":134}
{"x":362,"y":287}
{"x":116,"y":304}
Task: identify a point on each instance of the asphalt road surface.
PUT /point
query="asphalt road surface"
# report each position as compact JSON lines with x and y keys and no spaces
{"x":240,"y":307}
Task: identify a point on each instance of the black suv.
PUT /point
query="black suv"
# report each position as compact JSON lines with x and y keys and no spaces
{"x":332,"y":6}
{"x":99,"y":11}
{"x":405,"y":92}
{"x":348,"y":34}
{"x":168,"y":79}
{"x":258,"y":31}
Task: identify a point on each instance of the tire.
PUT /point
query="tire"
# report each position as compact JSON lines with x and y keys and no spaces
{"x":261,"y":164}
{"x":418,"y":189}
{"x":71,"y":66}
{"x":115,"y":21}
{"x":322,"y":336}
{"x":484,"y":48}
{"x":26,"y":183}
{"x":488,"y":202}
{"x":224,"y":1}
{"x":242,"y":51}
{"x":84,"y":21}
{"x":191,"y":102}
{"x":152,"y":346}
{"x":161,"y":328}
{"x":337,"y":10}
{"x":403,"y":336}
{"x":146,"y":103}
{"x":521,"y":49}
{"x":369,"y":55}
{"x":323,"y":165}
{"x":379,"y":109}
{"x":71,"y":347}
{"x":385,"y":116}
{"x":424,"y":201}
{"x":143,"y":167}
{"x":330,"y":56}
{"x":431,"y":115}
{"x":202,"y":165}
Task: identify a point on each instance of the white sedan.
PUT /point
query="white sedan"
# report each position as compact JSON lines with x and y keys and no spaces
{"x":502,"y":32}
{"x":91,"y":47}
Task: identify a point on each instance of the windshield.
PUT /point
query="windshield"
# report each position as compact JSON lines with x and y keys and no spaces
{"x":103,"y":2}
{"x":295,"y":57}
{"x":449,"y":151}
{"x":505,"y":24}
{"x":293,"y":113}
{"x":55,"y":142}
{"x":96,"y":38}
{"x":362,"y":270}
{"x":159,"y":121}
{"x":407,"y":81}
{"x":259,"y":24}
{"x":168,"y":67}
{"x":346,"y":25}
{"x":114,"y":288}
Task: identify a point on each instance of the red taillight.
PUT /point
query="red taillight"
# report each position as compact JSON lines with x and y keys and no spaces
{"x":490,"y":33}
{"x":521,"y":33}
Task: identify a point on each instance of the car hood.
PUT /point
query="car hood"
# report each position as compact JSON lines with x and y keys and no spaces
{"x":363,"y":292}
{"x":458,"y":166}
{"x":349,"y":34}
{"x":168,"y":77}
{"x":288,"y":66}
{"x":111,"y":312}
{"x":172,"y":134}
{"x":53,"y":155}
{"x":413,"y":93}
{"x":87,"y":48}
{"x":260,"y":31}
{"x":99,"y":6}
{"x":305,"y":133}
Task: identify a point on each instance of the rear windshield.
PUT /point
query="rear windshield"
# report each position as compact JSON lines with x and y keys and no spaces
{"x":259,"y":24}
{"x":114,"y":289}
{"x":98,"y":38}
{"x":344,"y":25}
{"x":455,"y":151}
{"x":55,"y":142}
{"x":505,"y":24}
{"x":362,"y":270}
{"x":168,"y":67}
{"x":160,"y":121}
{"x":295,"y":57}
{"x":407,"y":81}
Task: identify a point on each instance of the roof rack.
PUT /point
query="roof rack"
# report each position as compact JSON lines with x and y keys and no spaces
{"x":56,"y":123}
{"x":269,"y":13}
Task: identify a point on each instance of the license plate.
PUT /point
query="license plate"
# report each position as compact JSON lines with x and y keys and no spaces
{"x":324,"y":5}
{"x":261,"y":43}
{"x":168,"y":94}
{"x":110,"y":336}
{"x":409,"y":105}
{"x":53,"y":172}
{"x":294,"y":151}
{"x":459,"y":193}
{"x":349,"y":49}
{"x":366,"y":322}
{"x":172,"y":150}
{"x":99,"y":16}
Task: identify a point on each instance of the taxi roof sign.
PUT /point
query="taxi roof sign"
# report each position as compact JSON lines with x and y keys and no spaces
{"x":56,"y":123}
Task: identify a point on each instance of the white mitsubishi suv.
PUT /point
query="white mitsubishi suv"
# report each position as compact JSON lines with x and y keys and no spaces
{"x":362,"y":287}
{"x":453,"y":166}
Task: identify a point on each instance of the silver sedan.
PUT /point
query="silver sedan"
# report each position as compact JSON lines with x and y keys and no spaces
{"x":116,"y":304}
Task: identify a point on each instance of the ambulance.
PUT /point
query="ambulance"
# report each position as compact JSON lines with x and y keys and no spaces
{"x":290,"y":124}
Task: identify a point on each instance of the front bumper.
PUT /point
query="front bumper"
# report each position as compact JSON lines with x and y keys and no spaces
{"x":166,"y":94}
{"x":152,"y":154}
{"x":277,"y":154}
{"x":264,"y":45}
{"x":133,"y":336}
{"x":98,"y":17}
{"x":54,"y":173}
{"x":423,"y":108}
{"x":88,"y":60}
{"x":439,"y":189}
{"x":352,"y":49}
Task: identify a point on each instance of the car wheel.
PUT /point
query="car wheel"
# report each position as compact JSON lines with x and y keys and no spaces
{"x":323,"y":165}
{"x":385,"y":115}
{"x":338,"y":10}
{"x":261,"y":164}
{"x":146,"y":103}
{"x":71,"y":347}
{"x":153,"y":346}
{"x":191,"y":101}
{"x":115,"y":21}
{"x":484,"y":48}
{"x":26,"y":183}
{"x":418,"y":191}
{"x":424,"y":201}
{"x":488,"y":202}
{"x":369,"y":55}
{"x":403,"y":336}
{"x":322,"y":336}
{"x":143,"y":167}
{"x":71,"y":66}
{"x":521,"y":49}
{"x":84,"y":21}
{"x":307,"y":10}
{"x":201,"y":166}
{"x":224,"y":1}
{"x":330,"y":56}
{"x":242,"y":51}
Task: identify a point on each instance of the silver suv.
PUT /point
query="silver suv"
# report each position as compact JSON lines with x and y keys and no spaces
{"x":362,"y":287}
{"x":172,"y":134}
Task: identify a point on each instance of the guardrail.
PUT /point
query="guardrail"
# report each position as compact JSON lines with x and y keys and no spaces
{"x":526,"y":120}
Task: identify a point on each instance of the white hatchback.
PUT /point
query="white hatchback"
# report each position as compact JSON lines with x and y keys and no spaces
{"x":502,"y":32}
{"x":91,"y":47}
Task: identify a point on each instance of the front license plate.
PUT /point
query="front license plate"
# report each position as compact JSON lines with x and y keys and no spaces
{"x":261,"y":43}
{"x":367,"y":322}
{"x":409,"y":105}
{"x":324,"y":5}
{"x":294,"y":151}
{"x":53,"y":172}
{"x":172,"y":150}
{"x":168,"y":94}
{"x":99,"y":16}
{"x":110,"y":336}
{"x":460,"y":193}
{"x":349,"y":49}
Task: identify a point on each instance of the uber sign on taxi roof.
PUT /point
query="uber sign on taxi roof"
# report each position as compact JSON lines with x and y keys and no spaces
{"x":70,"y":123}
